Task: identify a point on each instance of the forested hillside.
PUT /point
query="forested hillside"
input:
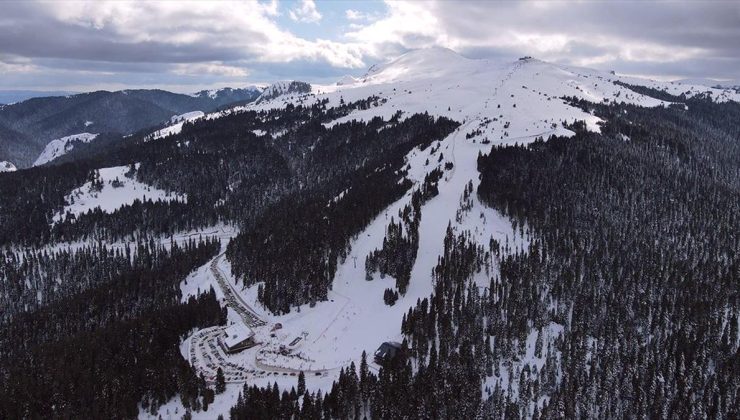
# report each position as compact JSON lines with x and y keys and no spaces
{"x":628,"y":256}
{"x":99,"y":351}
{"x":26,"y":127}
{"x":526,"y":240}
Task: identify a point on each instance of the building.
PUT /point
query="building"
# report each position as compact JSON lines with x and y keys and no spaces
{"x":236,"y":338}
{"x":387,"y":351}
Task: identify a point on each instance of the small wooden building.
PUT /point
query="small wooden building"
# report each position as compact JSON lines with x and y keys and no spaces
{"x":387,"y":351}
{"x":236,"y":338}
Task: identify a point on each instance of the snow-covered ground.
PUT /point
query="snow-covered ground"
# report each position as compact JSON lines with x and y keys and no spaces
{"x":117,"y":190}
{"x":332,"y":334}
{"x":281,"y":88}
{"x":6,"y":166}
{"x":176,"y":122}
{"x":62,"y":146}
{"x":496,"y":103}
{"x":188,"y":116}
{"x":525,"y":93}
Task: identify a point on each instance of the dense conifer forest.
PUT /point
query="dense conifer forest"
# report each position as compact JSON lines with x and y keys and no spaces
{"x":101,"y":324}
{"x":628,"y":286}
{"x":102,"y":351}
{"x":633,"y":252}
{"x":295,"y":245}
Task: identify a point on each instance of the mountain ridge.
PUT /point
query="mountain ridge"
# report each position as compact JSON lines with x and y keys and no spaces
{"x":26,"y":127}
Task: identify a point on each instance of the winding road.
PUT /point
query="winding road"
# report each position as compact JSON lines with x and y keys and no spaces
{"x":233,"y":299}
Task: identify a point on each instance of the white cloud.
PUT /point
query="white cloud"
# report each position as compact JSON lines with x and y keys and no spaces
{"x":239,"y":38}
{"x":271,"y":8}
{"x":604,"y":33}
{"x":16,"y":65}
{"x":408,"y":24}
{"x":353,"y":14}
{"x":305,"y":12}
{"x":356,"y":16}
{"x":213,"y":68}
{"x":16,"y":68}
{"x":222,"y":31}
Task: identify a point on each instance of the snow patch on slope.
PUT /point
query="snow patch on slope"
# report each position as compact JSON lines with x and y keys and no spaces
{"x":61,"y":146}
{"x":177,"y":122}
{"x":283,"y":88}
{"x":6,"y":166}
{"x":188,"y":116}
{"x":117,"y":190}
{"x":347,"y":80}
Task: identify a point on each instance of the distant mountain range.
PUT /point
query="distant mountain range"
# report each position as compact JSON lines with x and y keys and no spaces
{"x":26,"y":127}
{"x":13,"y":96}
{"x":730,"y":84}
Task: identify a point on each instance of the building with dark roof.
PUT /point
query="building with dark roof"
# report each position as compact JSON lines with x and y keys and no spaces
{"x":236,"y":338}
{"x":387,"y":351}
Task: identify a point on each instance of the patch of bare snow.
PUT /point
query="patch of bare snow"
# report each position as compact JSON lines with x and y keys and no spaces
{"x":117,"y":190}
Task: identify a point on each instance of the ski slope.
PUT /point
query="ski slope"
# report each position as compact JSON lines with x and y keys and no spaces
{"x":496,"y":103}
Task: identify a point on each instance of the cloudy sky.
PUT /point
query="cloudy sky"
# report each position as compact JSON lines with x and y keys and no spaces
{"x":190,"y":45}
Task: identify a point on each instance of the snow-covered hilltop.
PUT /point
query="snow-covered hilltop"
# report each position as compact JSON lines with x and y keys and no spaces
{"x":6,"y":166}
{"x":495,"y":103}
{"x":176,"y":123}
{"x":188,"y":116}
{"x":62,"y":146}
{"x":216,"y":93}
{"x":284,"y":88}
{"x":514,"y":101}
{"x":111,"y":189}
{"x":713,"y":83}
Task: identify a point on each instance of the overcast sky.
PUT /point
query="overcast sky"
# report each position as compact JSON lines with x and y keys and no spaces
{"x":190,"y":45}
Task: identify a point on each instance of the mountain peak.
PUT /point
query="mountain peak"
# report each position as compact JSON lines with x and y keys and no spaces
{"x":415,"y":62}
{"x":283,"y":88}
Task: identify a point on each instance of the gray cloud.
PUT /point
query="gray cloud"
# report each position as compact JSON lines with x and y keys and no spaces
{"x":646,"y":37}
{"x":30,"y":31}
{"x":103,"y":44}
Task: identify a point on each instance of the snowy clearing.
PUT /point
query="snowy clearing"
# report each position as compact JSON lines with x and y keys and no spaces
{"x":114,"y":190}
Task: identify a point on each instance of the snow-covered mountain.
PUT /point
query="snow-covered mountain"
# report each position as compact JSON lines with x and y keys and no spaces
{"x":26,"y":127}
{"x":509,"y":101}
{"x":62,"y":146}
{"x":188,"y":116}
{"x":327,"y":321}
{"x":233,"y":94}
{"x":496,"y":103}
{"x":282,"y":88}
{"x":176,"y":123}
{"x":347,"y":80}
